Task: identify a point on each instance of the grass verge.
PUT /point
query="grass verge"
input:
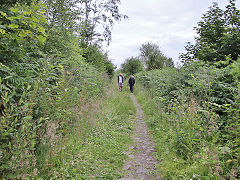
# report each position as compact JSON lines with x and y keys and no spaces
{"x":166,"y":129}
{"x":94,"y":148}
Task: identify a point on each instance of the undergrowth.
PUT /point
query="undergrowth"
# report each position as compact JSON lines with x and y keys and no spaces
{"x":179,"y":150}
{"x":193,"y":114}
{"x":94,"y":147}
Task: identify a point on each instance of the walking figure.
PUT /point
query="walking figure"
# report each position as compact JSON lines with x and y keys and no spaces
{"x":131,"y":83}
{"x":120,"y":81}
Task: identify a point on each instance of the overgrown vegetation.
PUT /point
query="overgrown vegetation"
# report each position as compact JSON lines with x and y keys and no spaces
{"x":57,"y":120}
{"x":194,"y":116}
{"x":48,"y":73}
{"x":94,"y":147}
{"x":218,"y":36}
{"x":150,"y":57}
{"x":132,"y":66}
{"x":193,"y":111}
{"x":153,"y":58}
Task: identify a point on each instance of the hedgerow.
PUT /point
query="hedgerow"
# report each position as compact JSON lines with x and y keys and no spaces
{"x":194,"y":116}
{"x":44,"y":83}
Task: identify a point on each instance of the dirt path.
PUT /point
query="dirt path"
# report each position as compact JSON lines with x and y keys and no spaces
{"x":141,"y":162}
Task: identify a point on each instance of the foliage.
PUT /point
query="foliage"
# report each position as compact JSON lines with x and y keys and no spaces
{"x":99,"y":59}
{"x":97,"y":20}
{"x":218,"y":36}
{"x":63,"y":14}
{"x":10,"y":3}
{"x":132,"y":66}
{"x":44,"y":80}
{"x":21,"y":34}
{"x":62,"y":43}
{"x":50,"y":103}
{"x":21,"y":27}
{"x":153,"y":58}
{"x":94,"y":149}
{"x":193,"y":116}
{"x":64,"y":28}
{"x":109,"y":67}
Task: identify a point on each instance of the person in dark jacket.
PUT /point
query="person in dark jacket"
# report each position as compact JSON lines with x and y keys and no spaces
{"x":120,"y":81}
{"x":131,"y":83}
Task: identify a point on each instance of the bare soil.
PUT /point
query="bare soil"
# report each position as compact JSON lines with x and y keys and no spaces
{"x":141,"y":162}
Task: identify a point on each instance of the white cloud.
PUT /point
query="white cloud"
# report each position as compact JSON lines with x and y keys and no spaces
{"x":166,"y":22}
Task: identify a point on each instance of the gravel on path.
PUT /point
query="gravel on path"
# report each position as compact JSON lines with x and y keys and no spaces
{"x":141,"y":162}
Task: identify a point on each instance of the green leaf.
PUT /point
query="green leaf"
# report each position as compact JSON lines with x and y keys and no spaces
{"x":41,"y":38}
{"x":42,"y":11}
{"x":24,"y":22}
{"x":15,"y":10}
{"x":3,"y":14}
{"x":13,"y":26}
{"x":225,"y":150}
{"x":3,"y":27}
{"x":22,"y":35}
{"x":2,"y":31}
{"x":19,"y":17}
{"x":27,"y":118}
{"x":28,"y":87}
{"x":41,"y":29}
{"x":33,"y":25}
{"x":27,"y":12}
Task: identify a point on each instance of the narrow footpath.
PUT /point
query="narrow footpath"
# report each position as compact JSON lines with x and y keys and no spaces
{"x":141,"y":162}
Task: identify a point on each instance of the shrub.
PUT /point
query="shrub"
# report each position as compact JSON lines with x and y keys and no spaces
{"x":199,"y":108}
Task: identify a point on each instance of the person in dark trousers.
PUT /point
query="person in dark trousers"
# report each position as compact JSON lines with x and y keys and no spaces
{"x":131,"y":83}
{"x":120,"y":81}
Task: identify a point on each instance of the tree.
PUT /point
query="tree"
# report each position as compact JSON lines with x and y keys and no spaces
{"x":132,"y":65}
{"x":218,"y":36}
{"x":98,"y":19}
{"x":109,"y":67}
{"x":153,"y":58}
{"x":5,"y":4}
{"x":21,"y":33}
{"x":64,"y":14}
{"x":62,"y":17}
{"x":66,"y":20}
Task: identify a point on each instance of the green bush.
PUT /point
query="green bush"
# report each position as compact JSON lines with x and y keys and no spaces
{"x":44,"y":80}
{"x":194,"y":116}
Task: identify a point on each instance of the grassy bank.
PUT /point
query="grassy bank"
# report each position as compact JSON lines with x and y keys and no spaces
{"x":94,"y":148}
{"x":162,"y":126}
{"x":193,"y":113}
{"x":183,"y":150}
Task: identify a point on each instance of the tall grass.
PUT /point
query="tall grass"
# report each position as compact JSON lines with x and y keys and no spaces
{"x":42,"y":115}
{"x":189,"y":115}
{"x":93,"y":148}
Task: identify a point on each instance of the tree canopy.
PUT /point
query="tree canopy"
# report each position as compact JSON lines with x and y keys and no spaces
{"x":132,"y":66}
{"x":98,"y":19}
{"x":218,"y":36}
{"x":152,"y":57}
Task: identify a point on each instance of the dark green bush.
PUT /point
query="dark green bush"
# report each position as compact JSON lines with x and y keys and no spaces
{"x":44,"y":83}
{"x":201,"y":104}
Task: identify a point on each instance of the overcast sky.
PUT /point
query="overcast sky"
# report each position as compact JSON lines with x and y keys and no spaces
{"x":169,"y":23}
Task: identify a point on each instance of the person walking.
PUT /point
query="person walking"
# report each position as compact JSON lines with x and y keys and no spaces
{"x":131,"y":83}
{"x":120,"y":81}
